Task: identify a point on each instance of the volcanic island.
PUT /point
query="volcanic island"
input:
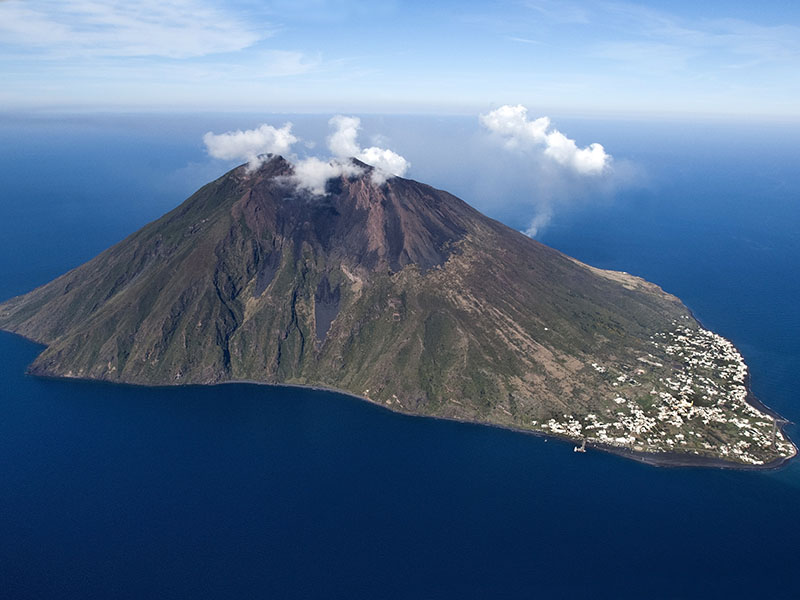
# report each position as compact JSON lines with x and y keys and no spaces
{"x":405,"y":296}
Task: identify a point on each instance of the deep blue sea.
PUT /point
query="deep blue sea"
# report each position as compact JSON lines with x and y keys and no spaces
{"x":244,"y":491}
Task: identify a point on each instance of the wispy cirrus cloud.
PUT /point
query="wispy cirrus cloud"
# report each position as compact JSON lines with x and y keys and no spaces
{"x":146,"y":28}
{"x":123,"y":55}
{"x":583,"y":56}
{"x":560,"y":11}
{"x":673,"y":41}
{"x":522,"y":40}
{"x":655,"y":39}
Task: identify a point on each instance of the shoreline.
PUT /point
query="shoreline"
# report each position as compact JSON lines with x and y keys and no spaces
{"x":655,"y":459}
{"x":756,"y":403}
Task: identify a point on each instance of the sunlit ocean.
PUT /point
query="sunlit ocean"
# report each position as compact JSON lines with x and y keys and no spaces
{"x":246,"y":491}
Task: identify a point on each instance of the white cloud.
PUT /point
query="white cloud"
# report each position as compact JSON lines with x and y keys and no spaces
{"x":175,"y":29}
{"x":512,"y":124}
{"x":274,"y":63}
{"x":343,"y":143}
{"x":387,"y":163}
{"x":544,"y":173}
{"x":313,"y":174}
{"x":560,"y":11}
{"x":250,"y":144}
{"x":523,"y":40}
{"x":590,"y":160}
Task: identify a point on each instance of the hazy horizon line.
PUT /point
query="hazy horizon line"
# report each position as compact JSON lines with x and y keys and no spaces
{"x":572,"y":113}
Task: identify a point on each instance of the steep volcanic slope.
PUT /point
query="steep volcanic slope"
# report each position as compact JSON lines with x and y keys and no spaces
{"x":407,"y":296}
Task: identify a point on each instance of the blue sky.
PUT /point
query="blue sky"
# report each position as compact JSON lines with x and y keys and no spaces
{"x":728,"y":58}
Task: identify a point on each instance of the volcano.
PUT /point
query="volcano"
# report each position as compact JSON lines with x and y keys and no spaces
{"x":408,"y":297}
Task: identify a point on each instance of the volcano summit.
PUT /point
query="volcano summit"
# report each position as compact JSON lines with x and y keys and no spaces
{"x":406,"y":296}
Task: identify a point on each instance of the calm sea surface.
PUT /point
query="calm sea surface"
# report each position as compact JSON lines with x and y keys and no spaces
{"x":245,"y":491}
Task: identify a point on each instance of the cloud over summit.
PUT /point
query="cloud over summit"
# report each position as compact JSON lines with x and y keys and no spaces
{"x":249,"y":144}
{"x":311,"y":173}
{"x":512,"y":124}
{"x":343,"y":143}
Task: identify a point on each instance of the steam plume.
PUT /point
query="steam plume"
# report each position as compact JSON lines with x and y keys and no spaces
{"x":343,"y":143}
{"x":250,"y":144}
{"x":512,"y":124}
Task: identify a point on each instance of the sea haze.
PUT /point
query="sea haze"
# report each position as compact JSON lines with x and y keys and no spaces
{"x":252,"y":491}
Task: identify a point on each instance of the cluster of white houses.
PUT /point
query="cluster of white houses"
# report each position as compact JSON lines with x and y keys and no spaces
{"x":697,"y":405}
